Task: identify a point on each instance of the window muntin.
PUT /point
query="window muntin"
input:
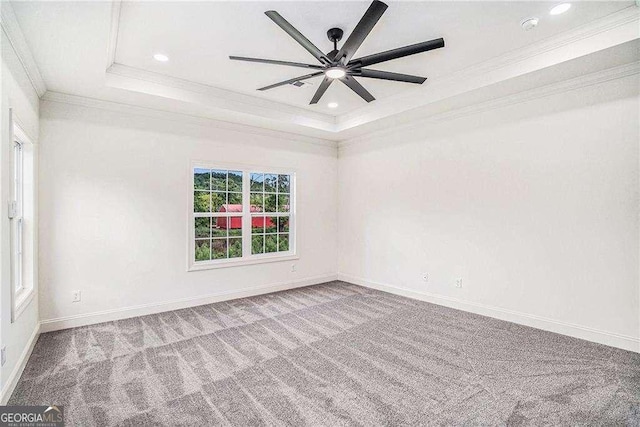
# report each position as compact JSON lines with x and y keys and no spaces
{"x":224,"y":230}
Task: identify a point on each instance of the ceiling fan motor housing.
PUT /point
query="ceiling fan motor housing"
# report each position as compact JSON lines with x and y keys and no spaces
{"x":335,"y":34}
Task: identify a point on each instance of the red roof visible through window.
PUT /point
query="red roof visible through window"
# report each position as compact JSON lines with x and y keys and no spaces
{"x":235,"y":222}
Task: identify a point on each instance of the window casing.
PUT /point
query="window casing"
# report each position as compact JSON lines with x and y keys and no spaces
{"x":240,"y":215}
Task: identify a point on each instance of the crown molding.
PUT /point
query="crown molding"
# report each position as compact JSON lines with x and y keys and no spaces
{"x":600,"y":34}
{"x":12,"y":30}
{"x":575,"y":83}
{"x":130,"y":109}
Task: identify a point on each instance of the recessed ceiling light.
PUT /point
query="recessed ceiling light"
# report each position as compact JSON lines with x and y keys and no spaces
{"x":335,"y":73}
{"x":332,"y":105}
{"x":561,"y":8}
{"x":529,"y":24}
{"x":160,"y":57}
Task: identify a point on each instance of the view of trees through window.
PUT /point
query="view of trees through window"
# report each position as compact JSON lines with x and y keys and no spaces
{"x":218,"y":213}
{"x":270,"y":196}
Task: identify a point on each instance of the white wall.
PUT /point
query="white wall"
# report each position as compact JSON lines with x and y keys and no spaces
{"x":114,"y":202}
{"x":534,"y":206}
{"x":19,"y":95}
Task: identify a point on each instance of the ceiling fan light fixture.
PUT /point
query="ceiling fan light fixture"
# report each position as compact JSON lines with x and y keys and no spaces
{"x":335,"y":72}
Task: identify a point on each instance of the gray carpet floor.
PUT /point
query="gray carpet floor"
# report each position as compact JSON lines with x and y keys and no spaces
{"x":333,"y":354}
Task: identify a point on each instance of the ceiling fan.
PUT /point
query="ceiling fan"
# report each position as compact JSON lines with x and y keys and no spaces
{"x":338,"y":64}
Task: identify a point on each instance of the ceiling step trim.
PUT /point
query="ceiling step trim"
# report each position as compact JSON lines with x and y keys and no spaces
{"x":130,"y":78}
{"x":131,"y":109}
{"x":12,"y":30}
{"x":613,"y":29}
{"x":114,"y":27}
{"x":557,"y":88}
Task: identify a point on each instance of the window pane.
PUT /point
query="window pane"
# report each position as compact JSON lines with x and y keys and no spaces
{"x":235,"y":181}
{"x":283,"y":242}
{"x":203,"y":252}
{"x":271,"y":224}
{"x":235,"y":248}
{"x":218,"y":248}
{"x":202,"y":228}
{"x":201,"y":201}
{"x":234,"y":225}
{"x":235,"y":202}
{"x":271,"y":243}
{"x":283,"y":224}
{"x":270,"y":203}
{"x":201,"y":179}
{"x":257,"y":180}
{"x":283,"y":203}
{"x":270,"y":183}
{"x":219,"y":228}
{"x":257,"y":244}
{"x":219,"y":180}
{"x":257,"y":225}
{"x":257,"y":202}
{"x":218,"y":200}
{"x":283,"y":183}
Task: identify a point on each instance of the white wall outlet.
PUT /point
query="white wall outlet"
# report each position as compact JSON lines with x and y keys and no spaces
{"x":459,"y":282}
{"x":425,"y":277}
{"x":77,"y":296}
{"x":293,"y":268}
{"x":3,"y":355}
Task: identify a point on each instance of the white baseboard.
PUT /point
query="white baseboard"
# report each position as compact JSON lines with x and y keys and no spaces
{"x":590,"y":334}
{"x":49,"y":325}
{"x":12,"y":381}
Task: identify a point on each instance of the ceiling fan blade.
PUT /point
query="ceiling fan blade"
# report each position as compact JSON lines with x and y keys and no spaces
{"x":321,"y":90}
{"x":286,"y":82}
{"x":357,"y":88}
{"x":400,"y":52}
{"x":297,"y":36}
{"x":276,"y":62}
{"x":386,"y":75}
{"x":361,"y":31}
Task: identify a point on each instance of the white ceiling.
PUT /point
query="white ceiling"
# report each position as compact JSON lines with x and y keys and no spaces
{"x":73,"y":45}
{"x":200,"y":36}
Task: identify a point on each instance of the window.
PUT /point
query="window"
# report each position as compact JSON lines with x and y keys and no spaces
{"x":22,"y":220}
{"x":17,"y":219}
{"x":240,"y":216}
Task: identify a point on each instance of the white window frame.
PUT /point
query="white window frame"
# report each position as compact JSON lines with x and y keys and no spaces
{"x":247,"y":258}
{"x":22,"y":286}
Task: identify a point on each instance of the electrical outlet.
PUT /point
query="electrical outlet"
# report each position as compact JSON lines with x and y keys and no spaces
{"x":459,"y":282}
{"x":3,"y":356}
{"x":77,"y":296}
{"x":293,"y":268}
{"x":425,"y":277}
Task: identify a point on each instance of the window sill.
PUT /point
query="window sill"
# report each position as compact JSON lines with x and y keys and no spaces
{"x":242,"y":262}
{"x":23,"y":298}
